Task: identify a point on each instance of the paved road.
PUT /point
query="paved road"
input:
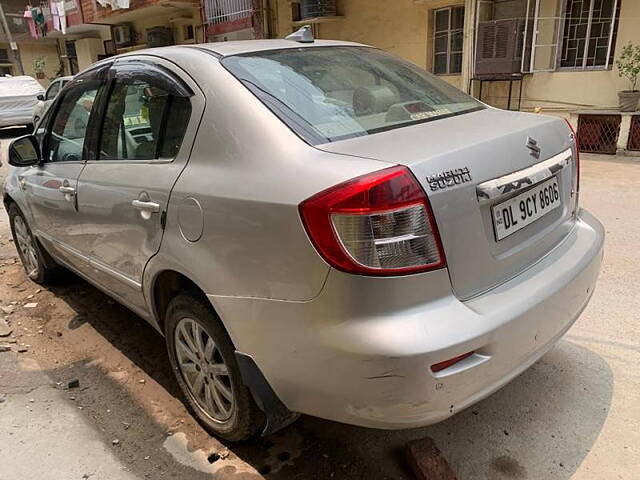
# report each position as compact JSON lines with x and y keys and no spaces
{"x":574,"y":415}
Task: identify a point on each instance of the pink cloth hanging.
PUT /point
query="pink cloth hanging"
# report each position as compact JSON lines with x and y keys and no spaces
{"x":30,"y":23}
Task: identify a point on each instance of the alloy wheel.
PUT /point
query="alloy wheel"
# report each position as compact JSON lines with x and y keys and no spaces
{"x":27,"y":247}
{"x":204,"y":370}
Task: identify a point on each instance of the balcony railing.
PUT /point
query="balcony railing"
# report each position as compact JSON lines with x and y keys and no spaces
{"x":224,"y":16}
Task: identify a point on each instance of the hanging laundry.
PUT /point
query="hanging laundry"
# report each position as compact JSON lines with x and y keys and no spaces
{"x":114,"y":4}
{"x":62,"y":15}
{"x":40,"y":22}
{"x":54,"y":15}
{"x":28,"y":15}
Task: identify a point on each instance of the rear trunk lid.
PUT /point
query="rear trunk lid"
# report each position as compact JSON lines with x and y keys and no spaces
{"x":462,"y":162}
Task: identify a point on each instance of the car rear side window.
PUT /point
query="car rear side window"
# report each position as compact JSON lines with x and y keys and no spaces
{"x":327,"y":94}
{"x":143,"y":122}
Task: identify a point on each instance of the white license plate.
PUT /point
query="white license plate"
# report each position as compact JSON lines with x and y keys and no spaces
{"x":524,"y":209}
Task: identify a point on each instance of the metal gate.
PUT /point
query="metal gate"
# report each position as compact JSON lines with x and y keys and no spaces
{"x":634,"y":134}
{"x":599,"y":133}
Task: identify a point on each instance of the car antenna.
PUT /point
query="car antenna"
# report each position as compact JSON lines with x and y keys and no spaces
{"x":303,"y":35}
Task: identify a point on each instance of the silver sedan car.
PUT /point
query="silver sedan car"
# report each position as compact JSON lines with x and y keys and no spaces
{"x":315,"y":227}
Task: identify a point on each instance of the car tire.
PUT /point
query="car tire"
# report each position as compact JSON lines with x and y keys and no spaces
{"x":208,"y":372}
{"x":36,"y":261}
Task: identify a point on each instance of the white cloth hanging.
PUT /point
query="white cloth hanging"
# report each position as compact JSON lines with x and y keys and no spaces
{"x":114,"y":4}
{"x":62,"y":15}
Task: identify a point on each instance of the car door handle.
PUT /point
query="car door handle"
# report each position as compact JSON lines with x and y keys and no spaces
{"x":146,"y":206}
{"x":67,"y":190}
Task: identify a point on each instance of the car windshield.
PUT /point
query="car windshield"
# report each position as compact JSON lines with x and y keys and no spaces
{"x":328,"y":94}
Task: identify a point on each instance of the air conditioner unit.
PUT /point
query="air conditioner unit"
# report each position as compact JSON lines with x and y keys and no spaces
{"x":122,"y":35}
{"x":499,"y":47}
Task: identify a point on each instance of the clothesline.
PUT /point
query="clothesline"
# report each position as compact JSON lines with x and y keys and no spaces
{"x":37,"y":22}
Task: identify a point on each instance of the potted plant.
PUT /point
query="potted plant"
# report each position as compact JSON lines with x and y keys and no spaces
{"x":38,"y":67}
{"x":628,"y":64}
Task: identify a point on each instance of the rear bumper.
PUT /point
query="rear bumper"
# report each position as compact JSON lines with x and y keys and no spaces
{"x":361,"y":352}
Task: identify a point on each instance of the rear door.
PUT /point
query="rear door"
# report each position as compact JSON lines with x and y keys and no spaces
{"x":150,"y":118}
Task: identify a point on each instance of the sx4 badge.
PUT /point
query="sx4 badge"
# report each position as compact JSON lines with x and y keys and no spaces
{"x":449,"y":178}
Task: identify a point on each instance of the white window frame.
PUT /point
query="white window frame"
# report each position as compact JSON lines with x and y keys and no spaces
{"x":584,"y":66}
{"x":449,"y":35}
{"x":558,"y":44}
{"x":534,"y":39}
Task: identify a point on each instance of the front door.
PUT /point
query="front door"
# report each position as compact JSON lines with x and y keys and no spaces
{"x":150,"y":117}
{"x":51,"y":187}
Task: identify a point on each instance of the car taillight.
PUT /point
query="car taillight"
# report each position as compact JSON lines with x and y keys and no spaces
{"x":575,"y":184}
{"x":377,"y":224}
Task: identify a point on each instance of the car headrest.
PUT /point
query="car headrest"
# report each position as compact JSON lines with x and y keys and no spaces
{"x":373,"y":99}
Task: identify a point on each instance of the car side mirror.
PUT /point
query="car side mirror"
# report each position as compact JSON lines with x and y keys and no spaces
{"x":24,"y":152}
{"x":40,"y":97}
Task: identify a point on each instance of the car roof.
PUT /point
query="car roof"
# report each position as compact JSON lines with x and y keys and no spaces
{"x":249,"y":46}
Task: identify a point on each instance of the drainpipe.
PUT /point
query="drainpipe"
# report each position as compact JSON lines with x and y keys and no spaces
{"x":468,"y":52}
{"x":258,"y":19}
{"x":14,"y":46}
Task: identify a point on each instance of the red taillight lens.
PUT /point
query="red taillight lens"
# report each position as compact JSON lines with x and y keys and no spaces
{"x":576,"y":172}
{"x":376,"y":224}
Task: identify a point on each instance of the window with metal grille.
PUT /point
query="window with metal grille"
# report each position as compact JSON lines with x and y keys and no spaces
{"x":6,"y":67}
{"x":598,"y":133}
{"x":634,"y":134}
{"x":448,"y":25}
{"x":589,"y":34}
{"x":222,"y":11}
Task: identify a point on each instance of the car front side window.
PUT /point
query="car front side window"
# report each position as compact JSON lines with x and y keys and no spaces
{"x":69,"y":126}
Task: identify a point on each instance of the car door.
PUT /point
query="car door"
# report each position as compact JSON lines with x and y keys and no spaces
{"x":150,"y":117}
{"x":50,"y":188}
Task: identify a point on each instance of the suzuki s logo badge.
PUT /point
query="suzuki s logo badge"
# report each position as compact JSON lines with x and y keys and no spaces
{"x":534,"y":149}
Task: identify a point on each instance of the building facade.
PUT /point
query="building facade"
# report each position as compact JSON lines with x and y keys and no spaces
{"x":93,"y":29}
{"x":553,"y":56}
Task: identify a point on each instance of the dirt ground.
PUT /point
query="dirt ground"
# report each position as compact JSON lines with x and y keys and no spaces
{"x":574,"y":415}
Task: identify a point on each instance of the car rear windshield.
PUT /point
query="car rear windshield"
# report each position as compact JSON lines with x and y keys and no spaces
{"x":327,"y":94}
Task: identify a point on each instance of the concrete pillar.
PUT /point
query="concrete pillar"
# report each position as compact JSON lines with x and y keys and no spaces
{"x":625,"y":128}
{"x":88,"y":50}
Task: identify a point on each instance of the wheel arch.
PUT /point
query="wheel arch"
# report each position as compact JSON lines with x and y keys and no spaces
{"x":165,"y":285}
{"x":7,"y":200}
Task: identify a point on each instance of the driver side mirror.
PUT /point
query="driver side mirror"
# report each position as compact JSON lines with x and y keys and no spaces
{"x":24,"y":152}
{"x":40,"y":97}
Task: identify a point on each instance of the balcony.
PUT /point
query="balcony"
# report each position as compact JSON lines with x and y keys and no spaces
{"x":94,"y":12}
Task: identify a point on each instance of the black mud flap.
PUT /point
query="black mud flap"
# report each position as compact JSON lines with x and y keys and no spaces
{"x":278,"y":416}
